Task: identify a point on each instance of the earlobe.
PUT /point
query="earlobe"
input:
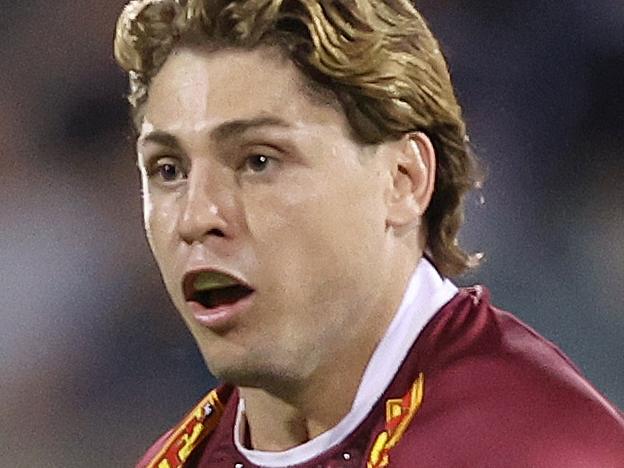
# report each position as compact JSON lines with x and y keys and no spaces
{"x":413,"y":180}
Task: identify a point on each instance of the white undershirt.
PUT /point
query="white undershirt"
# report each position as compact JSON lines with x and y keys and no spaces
{"x":426,"y":293}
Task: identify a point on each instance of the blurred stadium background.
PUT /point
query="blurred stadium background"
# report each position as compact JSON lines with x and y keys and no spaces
{"x":94,"y":361}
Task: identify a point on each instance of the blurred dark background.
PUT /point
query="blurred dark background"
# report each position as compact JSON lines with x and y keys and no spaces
{"x":95,"y":362}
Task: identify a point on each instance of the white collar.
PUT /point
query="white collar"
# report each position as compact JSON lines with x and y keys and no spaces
{"x":426,"y":293}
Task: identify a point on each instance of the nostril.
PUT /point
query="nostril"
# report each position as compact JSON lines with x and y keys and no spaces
{"x":216,"y":232}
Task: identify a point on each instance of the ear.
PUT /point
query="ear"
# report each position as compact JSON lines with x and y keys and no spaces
{"x":413,"y":176}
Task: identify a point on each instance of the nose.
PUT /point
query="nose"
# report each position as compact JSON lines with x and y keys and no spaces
{"x":207,"y":202}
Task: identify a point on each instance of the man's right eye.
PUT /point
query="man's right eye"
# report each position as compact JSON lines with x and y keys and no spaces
{"x":167,"y":170}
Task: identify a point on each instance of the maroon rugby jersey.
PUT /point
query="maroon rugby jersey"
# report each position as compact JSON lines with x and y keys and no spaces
{"x":478,"y":388}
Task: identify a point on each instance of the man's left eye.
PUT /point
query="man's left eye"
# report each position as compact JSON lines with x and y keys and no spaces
{"x":257,"y":162}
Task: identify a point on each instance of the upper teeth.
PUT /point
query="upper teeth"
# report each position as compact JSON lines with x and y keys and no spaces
{"x":213,"y":280}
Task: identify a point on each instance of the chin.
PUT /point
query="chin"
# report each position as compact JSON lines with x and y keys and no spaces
{"x":239,"y":376}
{"x":257,"y":374}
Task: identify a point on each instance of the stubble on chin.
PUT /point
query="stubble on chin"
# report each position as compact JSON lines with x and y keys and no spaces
{"x":261,"y":375}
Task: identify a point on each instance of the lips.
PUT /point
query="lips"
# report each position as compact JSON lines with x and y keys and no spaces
{"x":215,"y":297}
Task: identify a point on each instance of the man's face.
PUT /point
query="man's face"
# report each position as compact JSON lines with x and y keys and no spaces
{"x":245,"y":173}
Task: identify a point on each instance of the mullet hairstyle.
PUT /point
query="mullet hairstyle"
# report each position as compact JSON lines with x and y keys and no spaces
{"x":378,"y":58}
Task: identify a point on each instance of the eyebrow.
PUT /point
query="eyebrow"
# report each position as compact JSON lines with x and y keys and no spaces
{"x":225,"y":131}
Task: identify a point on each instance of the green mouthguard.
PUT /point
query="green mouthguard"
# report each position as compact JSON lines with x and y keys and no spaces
{"x":213,"y":280}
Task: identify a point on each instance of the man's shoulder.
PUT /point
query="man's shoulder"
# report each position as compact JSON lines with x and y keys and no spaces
{"x":496,"y":386}
{"x":471,"y":326}
{"x":177,"y":445}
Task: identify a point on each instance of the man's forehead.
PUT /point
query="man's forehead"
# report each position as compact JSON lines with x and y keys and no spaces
{"x":227,"y":76}
{"x":203,"y":87}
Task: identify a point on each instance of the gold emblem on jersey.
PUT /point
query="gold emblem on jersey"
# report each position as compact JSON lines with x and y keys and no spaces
{"x":399,"y":414}
{"x":189,"y":433}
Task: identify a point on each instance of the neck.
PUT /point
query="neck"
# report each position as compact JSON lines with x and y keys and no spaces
{"x":279,"y":421}
{"x":282,"y":419}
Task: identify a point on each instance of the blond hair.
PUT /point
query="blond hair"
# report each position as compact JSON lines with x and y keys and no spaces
{"x":378,"y":58}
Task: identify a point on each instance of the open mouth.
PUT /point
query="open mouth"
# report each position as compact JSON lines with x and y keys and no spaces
{"x":221,"y":296}
{"x":213,"y":289}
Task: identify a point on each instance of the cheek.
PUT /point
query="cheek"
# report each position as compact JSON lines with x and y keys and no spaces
{"x":274,"y":209}
{"x":316,"y":222}
{"x":159,"y":215}
{"x":160,"y":221}
{"x":148,"y":213}
{"x":148,"y":205}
